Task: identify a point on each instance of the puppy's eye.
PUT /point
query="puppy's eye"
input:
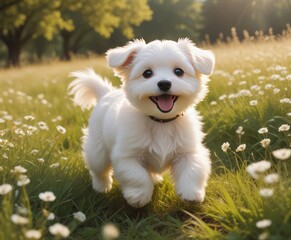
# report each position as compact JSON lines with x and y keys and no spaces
{"x":178,"y":72}
{"x":148,"y":73}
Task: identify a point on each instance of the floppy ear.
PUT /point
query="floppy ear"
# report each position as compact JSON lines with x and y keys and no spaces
{"x":121,"y":57}
{"x":202,"y":60}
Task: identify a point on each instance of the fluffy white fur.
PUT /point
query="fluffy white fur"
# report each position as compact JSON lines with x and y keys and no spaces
{"x":123,"y":139}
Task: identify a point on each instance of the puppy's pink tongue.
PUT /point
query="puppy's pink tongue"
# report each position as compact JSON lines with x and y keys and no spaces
{"x":165,"y":102}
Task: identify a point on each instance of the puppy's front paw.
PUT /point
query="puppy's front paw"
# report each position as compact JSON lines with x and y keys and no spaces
{"x":137,"y":197}
{"x":102,"y":184}
{"x":192,"y":195}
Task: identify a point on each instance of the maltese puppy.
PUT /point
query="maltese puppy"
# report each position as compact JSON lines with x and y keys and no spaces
{"x":148,"y":125}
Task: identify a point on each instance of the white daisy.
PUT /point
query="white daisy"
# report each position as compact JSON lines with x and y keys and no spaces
{"x":47,"y":196}
{"x":59,"y":230}
{"x":61,"y":129}
{"x":263,"y":130}
{"x":225,"y":146}
{"x":282,"y":154}
{"x":5,"y":189}
{"x":271,"y":178}
{"x":33,"y":234}
{"x":79,"y":216}
{"x":19,"y":220}
{"x":241,"y":148}
{"x":264,"y":223}
{"x":256,"y":168}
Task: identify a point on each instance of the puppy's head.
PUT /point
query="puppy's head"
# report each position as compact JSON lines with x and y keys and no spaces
{"x":162,"y":78}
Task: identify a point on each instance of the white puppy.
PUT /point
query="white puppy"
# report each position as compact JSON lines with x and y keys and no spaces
{"x":149,"y":125}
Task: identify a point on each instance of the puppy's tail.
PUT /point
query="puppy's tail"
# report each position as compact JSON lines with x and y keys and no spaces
{"x":88,"y":87}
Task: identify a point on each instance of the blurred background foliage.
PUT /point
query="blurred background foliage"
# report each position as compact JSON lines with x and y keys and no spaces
{"x":35,"y":30}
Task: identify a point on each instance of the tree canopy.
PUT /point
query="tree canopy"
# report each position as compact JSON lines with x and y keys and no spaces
{"x":21,"y":21}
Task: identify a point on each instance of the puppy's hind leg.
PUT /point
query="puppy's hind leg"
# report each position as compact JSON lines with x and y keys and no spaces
{"x":98,"y":162}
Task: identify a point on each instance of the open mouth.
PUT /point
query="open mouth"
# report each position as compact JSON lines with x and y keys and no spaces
{"x":164,"y":102}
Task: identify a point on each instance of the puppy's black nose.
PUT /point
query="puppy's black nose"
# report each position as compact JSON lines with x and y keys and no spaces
{"x":164,"y":85}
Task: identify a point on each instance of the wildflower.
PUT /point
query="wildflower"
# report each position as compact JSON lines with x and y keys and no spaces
{"x":245,"y":92}
{"x":282,"y":154}
{"x":289,"y":114}
{"x":58,"y":118}
{"x":266,"y":192}
{"x":48,"y":215}
{"x":8,"y":117}
{"x":19,"y":132}
{"x":225,"y":146}
{"x":110,"y":231}
{"x":34,"y":151}
{"x":261,"y":92}
{"x":43,"y":126}
{"x":284,"y":128}
{"x":276,"y":90}
{"x":64,"y":158}
{"x":222,"y":97}
{"x":40,"y":96}
{"x":41,"y":160}
{"x":51,"y":216}
{"x":54,"y":165}
{"x":19,"y":169}
{"x":255,"y":88}
{"x":240,"y":131}
{"x":17,"y":219}
{"x":242,"y":83}
{"x":212,"y":103}
{"x":263,"y":130}
{"x":275,"y":77}
{"x":47,"y":196}
{"x":33,"y":234}
{"x":285,"y":100}
{"x":5,"y":189}
{"x":268,"y":86}
{"x":265,"y":142}
{"x":79,"y":216}
{"x":256,"y":70}
{"x":253,"y":102}
{"x":259,"y":167}
{"x":241,"y":148}
{"x":21,"y":210}
{"x":22,"y":180}
{"x":30,"y":130}
{"x":271,"y":178}
{"x":59,"y":230}
{"x":29,"y":117}
{"x":264,"y":223}
{"x":61,"y":129}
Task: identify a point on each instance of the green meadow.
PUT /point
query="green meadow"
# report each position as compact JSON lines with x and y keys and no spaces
{"x":247,"y":111}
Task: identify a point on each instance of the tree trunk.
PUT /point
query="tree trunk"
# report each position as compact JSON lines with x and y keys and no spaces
{"x":66,"y":36}
{"x":14,"y":50}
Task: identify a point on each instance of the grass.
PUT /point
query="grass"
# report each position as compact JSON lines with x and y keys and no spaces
{"x":244,"y":73}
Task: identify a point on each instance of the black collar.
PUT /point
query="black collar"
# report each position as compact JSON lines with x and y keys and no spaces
{"x":159,"y":120}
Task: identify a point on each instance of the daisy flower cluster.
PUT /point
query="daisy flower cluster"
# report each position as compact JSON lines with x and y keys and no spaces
{"x":268,"y":82}
{"x":33,"y":137}
{"x":22,"y":215}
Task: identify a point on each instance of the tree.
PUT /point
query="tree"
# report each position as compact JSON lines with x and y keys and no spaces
{"x":173,"y":19}
{"x":20,"y":21}
{"x":103,"y":17}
